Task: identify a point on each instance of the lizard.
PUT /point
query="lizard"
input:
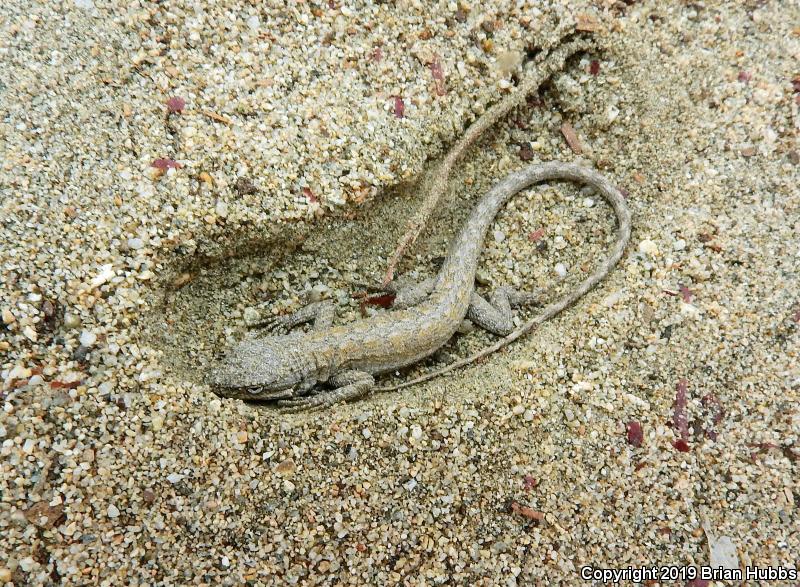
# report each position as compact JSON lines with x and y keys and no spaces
{"x":292,"y":368}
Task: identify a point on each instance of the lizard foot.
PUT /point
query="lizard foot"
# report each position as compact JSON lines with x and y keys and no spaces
{"x":354,"y":385}
{"x":269,"y":323}
{"x":320,"y":313}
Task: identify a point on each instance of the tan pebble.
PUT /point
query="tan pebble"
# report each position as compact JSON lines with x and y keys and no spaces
{"x":181,"y":280}
{"x":206,"y":178}
{"x":8,"y":317}
{"x":242,"y":436}
{"x":508,"y":61}
{"x":286,"y":467}
{"x":72,"y":321}
{"x":524,"y":366}
{"x":30,"y":333}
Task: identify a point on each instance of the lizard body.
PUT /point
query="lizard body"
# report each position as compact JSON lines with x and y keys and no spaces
{"x":290,"y":368}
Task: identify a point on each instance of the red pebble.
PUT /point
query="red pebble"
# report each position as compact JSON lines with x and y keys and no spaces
{"x":165,"y":164}
{"x":176,"y":104}
{"x":399,"y":107}
{"x":681,"y":445}
{"x":635,"y":433}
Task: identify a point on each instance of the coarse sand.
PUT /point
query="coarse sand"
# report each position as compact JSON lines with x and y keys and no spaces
{"x":167,"y":165}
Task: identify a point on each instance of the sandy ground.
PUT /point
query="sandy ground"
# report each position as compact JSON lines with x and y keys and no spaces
{"x":167,"y":166}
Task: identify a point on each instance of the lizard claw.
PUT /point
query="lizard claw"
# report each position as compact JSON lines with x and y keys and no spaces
{"x":306,"y":404}
{"x":271,"y":396}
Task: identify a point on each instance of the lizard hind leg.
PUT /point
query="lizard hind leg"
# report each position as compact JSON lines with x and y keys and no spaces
{"x":348,"y":386}
{"x":409,"y":293}
{"x":495,"y":314}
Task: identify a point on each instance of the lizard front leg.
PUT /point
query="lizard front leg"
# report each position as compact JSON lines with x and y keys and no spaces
{"x":348,"y":386}
{"x":495,"y":314}
{"x":321,"y":313}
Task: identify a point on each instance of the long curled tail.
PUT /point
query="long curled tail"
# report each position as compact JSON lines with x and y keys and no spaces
{"x":535,"y":174}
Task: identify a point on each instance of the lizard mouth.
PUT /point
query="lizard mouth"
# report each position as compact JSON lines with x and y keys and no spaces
{"x":252,"y":392}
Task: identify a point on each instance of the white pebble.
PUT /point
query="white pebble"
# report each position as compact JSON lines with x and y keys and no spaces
{"x":499,"y":236}
{"x":679,"y":245}
{"x":106,"y":273}
{"x":588,"y":202}
{"x":561,"y":270}
{"x":88,"y":338}
{"x":175,"y":477}
{"x":113,"y":511}
{"x":648,"y":247}
{"x":135,"y":243}
{"x":221,"y":209}
{"x":611,"y":113}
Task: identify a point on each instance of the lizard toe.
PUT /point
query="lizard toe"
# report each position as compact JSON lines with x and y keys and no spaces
{"x":305,"y":404}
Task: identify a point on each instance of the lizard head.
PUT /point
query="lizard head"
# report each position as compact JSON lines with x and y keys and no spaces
{"x":257,"y":368}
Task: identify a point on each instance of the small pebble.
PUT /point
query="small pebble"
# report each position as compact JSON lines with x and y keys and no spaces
{"x":72,"y":321}
{"x":87,"y":338}
{"x":648,"y":247}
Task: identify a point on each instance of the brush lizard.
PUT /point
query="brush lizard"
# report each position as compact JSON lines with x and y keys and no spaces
{"x":293,"y":368}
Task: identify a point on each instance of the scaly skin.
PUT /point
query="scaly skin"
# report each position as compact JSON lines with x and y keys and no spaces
{"x":290,"y":367}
